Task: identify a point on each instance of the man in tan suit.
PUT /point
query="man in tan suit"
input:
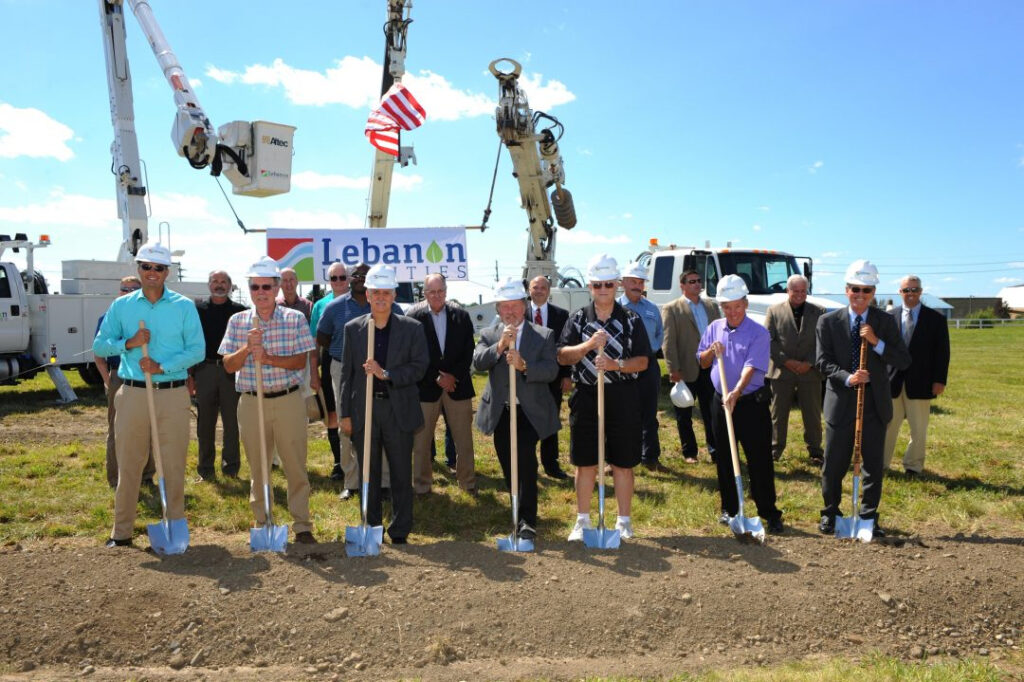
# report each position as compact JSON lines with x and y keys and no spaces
{"x":791,"y":325}
{"x":685,"y":320}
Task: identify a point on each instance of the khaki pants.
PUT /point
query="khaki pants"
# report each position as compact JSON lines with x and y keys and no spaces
{"x":808,"y":393}
{"x":133,"y":439}
{"x":916,"y":413}
{"x":459,"y":415}
{"x":349,"y":465}
{"x":284,"y":421}
{"x":113,"y":384}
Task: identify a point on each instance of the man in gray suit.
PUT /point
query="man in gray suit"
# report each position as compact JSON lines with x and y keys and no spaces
{"x":685,"y":320}
{"x":840,"y":334}
{"x":791,"y":325}
{"x":399,"y":362}
{"x":530,"y":349}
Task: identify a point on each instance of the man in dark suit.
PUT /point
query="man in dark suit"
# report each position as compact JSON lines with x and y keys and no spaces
{"x":447,"y":383}
{"x":927,"y":337}
{"x":840,"y":334}
{"x":398,"y":363}
{"x":543,"y":313}
{"x":530,"y":349}
{"x":791,"y":325}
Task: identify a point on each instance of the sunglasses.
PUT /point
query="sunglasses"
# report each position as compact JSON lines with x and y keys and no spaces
{"x":606,"y":285}
{"x":693,"y":281}
{"x":257,"y":287}
{"x":128,"y":290}
{"x":339,"y":278}
{"x":910,"y":290}
{"x":147,"y":267}
{"x":862,"y":290}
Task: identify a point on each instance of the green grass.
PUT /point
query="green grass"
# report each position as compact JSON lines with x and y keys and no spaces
{"x":974,"y":479}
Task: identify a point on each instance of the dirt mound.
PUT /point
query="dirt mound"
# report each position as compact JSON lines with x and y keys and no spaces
{"x":458,"y":610}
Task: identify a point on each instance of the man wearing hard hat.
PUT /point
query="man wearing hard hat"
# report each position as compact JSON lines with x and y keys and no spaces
{"x":175,"y":339}
{"x":839,"y":335}
{"x":278,"y":339}
{"x":743,"y":347}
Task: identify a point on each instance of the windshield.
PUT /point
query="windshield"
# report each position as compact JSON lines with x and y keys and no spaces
{"x":764,"y":273}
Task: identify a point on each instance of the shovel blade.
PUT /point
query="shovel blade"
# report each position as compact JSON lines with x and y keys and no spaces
{"x":747,"y":529}
{"x":363,"y":540}
{"x":601,"y":538}
{"x":170,"y":537}
{"x":514,"y":543}
{"x":855,"y":528}
{"x":269,"y":538}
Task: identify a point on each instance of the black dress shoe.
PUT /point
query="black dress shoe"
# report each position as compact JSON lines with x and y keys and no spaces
{"x":526,"y":531}
{"x":336,"y":473}
{"x":879,"y":532}
{"x":127,"y":542}
{"x":775,"y":526}
{"x":348,"y":494}
{"x":305,"y":538}
{"x":556,"y":474}
{"x":399,"y":541}
{"x":827,"y":525}
{"x":724,"y":518}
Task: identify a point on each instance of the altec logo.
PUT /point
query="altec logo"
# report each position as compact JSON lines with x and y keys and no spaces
{"x":274,"y":141}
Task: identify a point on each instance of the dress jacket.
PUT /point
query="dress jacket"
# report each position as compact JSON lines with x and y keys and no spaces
{"x":682,"y":336}
{"x":929,"y":354}
{"x":455,"y":358}
{"x":790,"y":343}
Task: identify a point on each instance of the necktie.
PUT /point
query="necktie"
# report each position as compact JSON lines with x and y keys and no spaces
{"x":537,"y":319}
{"x":855,"y":344}
{"x":908,"y":325}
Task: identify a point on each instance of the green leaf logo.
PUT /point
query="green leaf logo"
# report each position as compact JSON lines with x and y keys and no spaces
{"x":434,"y":253}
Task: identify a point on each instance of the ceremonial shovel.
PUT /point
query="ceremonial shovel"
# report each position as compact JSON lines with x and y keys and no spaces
{"x":513,"y":543}
{"x":269,"y":538}
{"x":365,"y":540}
{"x":746,"y":529}
{"x":167,"y":536}
{"x":601,"y":537}
{"x":856,"y":528}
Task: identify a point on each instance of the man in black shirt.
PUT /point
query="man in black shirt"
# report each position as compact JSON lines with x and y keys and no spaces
{"x":214,"y":388}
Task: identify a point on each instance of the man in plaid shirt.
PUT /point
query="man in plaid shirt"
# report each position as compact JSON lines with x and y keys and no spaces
{"x":279,"y":339}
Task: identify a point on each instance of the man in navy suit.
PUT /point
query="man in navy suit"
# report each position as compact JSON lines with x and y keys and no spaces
{"x":839,"y":336}
{"x":927,"y":337}
{"x":543,"y":313}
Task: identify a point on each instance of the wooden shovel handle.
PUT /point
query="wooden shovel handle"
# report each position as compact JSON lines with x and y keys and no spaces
{"x":858,"y":431}
{"x":154,"y":434}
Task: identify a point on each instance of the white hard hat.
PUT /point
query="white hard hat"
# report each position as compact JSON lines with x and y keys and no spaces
{"x":153,"y":252}
{"x":680,"y":395}
{"x":602,"y":268}
{"x":509,"y":289}
{"x":381,"y":276}
{"x":731,"y":288}
{"x":635,"y":269}
{"x":264,"y":267}
{"x":862,"y":272}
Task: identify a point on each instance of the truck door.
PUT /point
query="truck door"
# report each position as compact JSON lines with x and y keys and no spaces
{"x":14,"y":321}
{"x":707,"y":268}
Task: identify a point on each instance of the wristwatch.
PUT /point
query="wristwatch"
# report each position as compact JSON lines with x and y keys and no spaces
{"x":387,"y":375}
{"x":620,"y":363}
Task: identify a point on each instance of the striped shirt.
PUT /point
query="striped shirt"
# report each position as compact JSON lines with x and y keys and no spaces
{"x":627,"y":338}
{"x":286,"y":334}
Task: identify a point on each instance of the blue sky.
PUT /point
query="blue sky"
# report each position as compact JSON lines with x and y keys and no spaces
{"x":837,"y":130}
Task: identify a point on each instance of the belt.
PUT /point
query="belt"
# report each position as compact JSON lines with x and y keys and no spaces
{"x":761,"y":395}
{"x":275,"y":394}
{"x":380,"y":395}
{"x":215,"y":361}
{"x":156,"y":384}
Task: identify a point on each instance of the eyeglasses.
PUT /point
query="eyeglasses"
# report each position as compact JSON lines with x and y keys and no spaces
{"x":434,"y":292}
{"x":910,"y":290}
{"x":692,"y":281}
{"x":606,"y":285}
{"x":128,"y":290}
{"x":148,"y":266}
{"x":339,"y":278}
{"x":862,"y":290}
{"x":257,"y":287}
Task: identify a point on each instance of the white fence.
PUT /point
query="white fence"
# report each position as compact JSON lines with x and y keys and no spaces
{"x":964,"y":323}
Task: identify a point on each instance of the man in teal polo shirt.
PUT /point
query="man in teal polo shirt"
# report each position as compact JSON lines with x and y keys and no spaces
{"x":175,"y":338}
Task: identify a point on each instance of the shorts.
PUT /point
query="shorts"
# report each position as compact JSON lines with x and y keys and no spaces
{"x":622,"y":428}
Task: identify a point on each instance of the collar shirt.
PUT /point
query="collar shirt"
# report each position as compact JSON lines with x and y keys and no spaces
{"x":798,"y":314}
{"x":440,"y":320}
{"x":214,"y":318}
{"x":284,"y":335}
{"x":748,"y":345}
{"x":627,"y":339}
{"x":381,"y":341}
{"x":318,"y":311}
{"x":650,"y":315}
{"x":700,"y":316}
{"x":852,"y":322}
{"x":543,"y":309}
{"x":301,"y":304}
{"x":914,"y":313}
{"x":176,"y":335}
{"x":340,"y":312}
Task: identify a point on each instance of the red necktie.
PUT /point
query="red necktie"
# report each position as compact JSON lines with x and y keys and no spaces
{"x":537,"y":318}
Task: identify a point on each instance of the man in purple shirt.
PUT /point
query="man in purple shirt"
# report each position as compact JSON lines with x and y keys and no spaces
{"x":743,"y":347}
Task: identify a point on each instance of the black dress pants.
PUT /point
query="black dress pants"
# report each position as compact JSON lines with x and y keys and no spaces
{"x":702,"y":390}
{"x":527,"y":460}
{"x":752,"y":423}
{"x":549,"y":446}
{"x":397,"y":447}
{"x":839,"y":453}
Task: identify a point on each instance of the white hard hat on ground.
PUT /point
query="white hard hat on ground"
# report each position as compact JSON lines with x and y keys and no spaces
{"x":862,"y":272}
{"x":636,"y":270}
{"x":153,"y":252}
{"x":731,"y":288}
{"x":264,"y":267}
{"x":602,"y":268}
{"x":381,"y":276}
{"x":510,"y":289}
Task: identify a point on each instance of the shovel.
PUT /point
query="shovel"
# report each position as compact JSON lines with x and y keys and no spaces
{"x":513,"y":543}
{"x":746,"y":529}
{"x":856,"y":528}
{"x":167,"y":536}
{"x":269,"y":538}
{"x":600,"y":537}
{"x":365,"y":540}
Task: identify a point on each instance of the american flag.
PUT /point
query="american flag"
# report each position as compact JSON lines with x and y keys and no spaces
{"x":398,"y":110}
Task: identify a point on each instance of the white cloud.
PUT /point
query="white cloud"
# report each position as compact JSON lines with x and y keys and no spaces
{"x":627,"y":216}
{"x":196,"y":83}
{"x":312,"y":180}
{"x":585,"y":238}
{"x":314,"y":220}
{"x":583,"y":151}
{"x":1006,"y":280}
{"x":78,"y":210}
{"x":545,"y":97}
{"x":1016,"y":264}
{"x":949,"y":279}
{"x":31,"y":132}
{"x":757,"y":228}
{"x":442,"y":101}
{"x":815,"y":167}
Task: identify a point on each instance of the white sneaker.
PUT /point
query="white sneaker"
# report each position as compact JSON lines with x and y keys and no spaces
{"x":625,"y":528}
{"x":577,"y":531}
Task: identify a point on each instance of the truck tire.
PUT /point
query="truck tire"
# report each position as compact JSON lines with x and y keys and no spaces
{"x":90,"y":375}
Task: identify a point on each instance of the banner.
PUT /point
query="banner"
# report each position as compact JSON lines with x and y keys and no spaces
{"x":414,"y":252}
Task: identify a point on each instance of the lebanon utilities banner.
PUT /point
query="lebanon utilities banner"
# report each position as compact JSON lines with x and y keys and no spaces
{"x":414,"y":252}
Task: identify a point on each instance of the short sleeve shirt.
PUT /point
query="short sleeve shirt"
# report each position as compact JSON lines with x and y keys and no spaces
{"x":285,"y":334}
{"x":627,"y":339}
